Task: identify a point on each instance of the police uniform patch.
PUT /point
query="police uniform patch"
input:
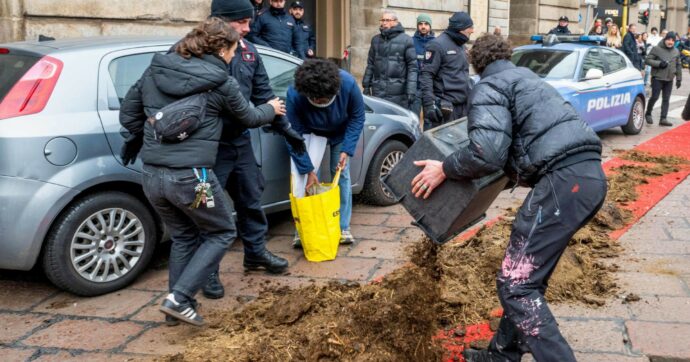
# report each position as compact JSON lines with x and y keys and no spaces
{"x":248,"y":56}
{"x":289,"y":23}
{"x":451,"y":52}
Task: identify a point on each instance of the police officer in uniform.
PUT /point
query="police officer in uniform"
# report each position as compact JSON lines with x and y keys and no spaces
{"x":236,"y":166}
{"x":445,"y":77}
{"x":275,"y":28}
{"x":305,"y":41}
{"x":258,"y":7}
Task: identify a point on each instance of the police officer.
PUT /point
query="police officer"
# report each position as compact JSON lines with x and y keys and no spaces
{"x":445,"y":76}
{"x":421,"y":37}
{"x":258,"y":7}
{"x":275,"y":28}
{"x":236,"y":167}
{"x":305,"y":41}
{"x":562,"y":28}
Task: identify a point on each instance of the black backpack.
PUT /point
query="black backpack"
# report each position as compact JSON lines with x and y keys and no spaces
{"x":177,"y":121}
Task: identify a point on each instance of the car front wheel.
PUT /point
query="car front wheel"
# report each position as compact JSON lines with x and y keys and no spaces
{"x":387,"y":156}
{"x":100,"y":244}
{"x":636,"y":118}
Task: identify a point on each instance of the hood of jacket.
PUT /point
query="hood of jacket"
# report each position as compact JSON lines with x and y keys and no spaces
{"x":180,"y":77}
{"x":426,"y":38}
{"x":392,"y":32}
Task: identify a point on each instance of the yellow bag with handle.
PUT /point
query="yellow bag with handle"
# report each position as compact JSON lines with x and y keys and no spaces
{"x":317,"y":219}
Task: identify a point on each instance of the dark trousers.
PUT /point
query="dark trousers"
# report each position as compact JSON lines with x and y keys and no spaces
{"x":559,"y":205}
{"x":201,"y":236}
{"x":664,"y":87}
{"x":237,"y":169}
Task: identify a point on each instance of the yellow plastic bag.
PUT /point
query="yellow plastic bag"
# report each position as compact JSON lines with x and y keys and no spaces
{"x":317,"y":219}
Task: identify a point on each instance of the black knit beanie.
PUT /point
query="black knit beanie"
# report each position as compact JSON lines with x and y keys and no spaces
{"x":232,"y":10}
{"x":460,"y":21}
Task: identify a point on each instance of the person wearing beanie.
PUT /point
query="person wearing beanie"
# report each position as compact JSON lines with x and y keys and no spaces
{"x":665,"y":62}
{"x":391,"y":72}
{"x":445,"y":78}
{"x":235,"y":165}
{"x":305,"y":42}
{"x":562,"y":28}
{"x":421,"y":37}
{"x":258,"y":7}
{"x":275,"y":28}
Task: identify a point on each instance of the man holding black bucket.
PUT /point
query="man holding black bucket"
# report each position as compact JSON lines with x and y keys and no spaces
{"x":520,"y":124}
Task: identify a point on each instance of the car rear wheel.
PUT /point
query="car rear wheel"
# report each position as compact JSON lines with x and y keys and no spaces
{"x":100,"y":244}
{"x":636,"y":118}
{"x":387,"y":156}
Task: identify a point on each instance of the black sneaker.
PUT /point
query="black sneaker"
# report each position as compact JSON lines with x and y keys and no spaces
{"x":649,"y":119}
{"x":266,"y":260}
{"x":477,"y":355}
{"x":183,"y":311}
{"x":213,"y":288}
{"x":665,"y":123}
{"x":171,"y":321}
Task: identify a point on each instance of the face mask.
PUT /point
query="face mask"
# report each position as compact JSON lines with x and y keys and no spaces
{"x":325,"y":105}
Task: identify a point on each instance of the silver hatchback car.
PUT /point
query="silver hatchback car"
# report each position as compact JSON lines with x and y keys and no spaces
{"x":67,"y":201}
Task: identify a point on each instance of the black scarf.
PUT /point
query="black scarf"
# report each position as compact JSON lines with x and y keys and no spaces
{"x":277,"y":12}
{"x":459,"y":38}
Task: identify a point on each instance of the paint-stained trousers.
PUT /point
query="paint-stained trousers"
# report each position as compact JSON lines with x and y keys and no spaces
{"x":561,"y":203}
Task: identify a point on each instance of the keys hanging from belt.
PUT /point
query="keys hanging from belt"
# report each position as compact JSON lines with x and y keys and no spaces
{"x":204,"y":195}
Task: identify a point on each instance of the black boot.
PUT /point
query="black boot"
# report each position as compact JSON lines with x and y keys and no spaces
{"x":649,"y":119}
{"x":665,"y":123}
{"x":477,"y":355}
{"x":213,"y":288}
{"x":265,"y":259}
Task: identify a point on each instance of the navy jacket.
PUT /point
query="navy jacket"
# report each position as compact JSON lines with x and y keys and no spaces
{"x":342,"y":121}
{"x":304,"y":39}
{"x":630,"y":50}
{"x":275,"y":28}
{"x":419,"y":46}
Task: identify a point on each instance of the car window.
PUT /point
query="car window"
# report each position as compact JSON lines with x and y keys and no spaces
{"x":281,"y":72}
{"x":12,"y":69}
{"x":592,"y":60}
{"x":614,"y":60}
{"x":124,"y":72}
{"x":548,"y":64}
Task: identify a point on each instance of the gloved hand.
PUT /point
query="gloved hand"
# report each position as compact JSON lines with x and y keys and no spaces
{"x":663,"y":64}
{"x":677,"y":83}
{"x":433,"y":114}
{"x":130,"y":149}
{"x":366,"y":91}
{"x":295,"y":140}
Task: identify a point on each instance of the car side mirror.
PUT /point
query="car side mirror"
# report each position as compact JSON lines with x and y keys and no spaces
{"x":594,"y":74}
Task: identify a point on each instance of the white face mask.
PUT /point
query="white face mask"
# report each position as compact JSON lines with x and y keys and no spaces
{"x":325,"y":105}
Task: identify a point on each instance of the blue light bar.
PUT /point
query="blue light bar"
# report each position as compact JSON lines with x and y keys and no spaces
{"x":568,"y":38}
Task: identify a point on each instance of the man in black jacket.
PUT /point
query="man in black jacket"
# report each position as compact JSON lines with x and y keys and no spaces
{"x":305,"y":41}
{"x":520,"y":124}
{"x":630,"y":48}
{"x":445,"y":76}
{"x":562,"y":28}
{"x":391,"y":71}
{"x":275,"y":28}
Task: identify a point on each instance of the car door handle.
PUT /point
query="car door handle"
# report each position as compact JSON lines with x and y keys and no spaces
{"x":608,"y":85}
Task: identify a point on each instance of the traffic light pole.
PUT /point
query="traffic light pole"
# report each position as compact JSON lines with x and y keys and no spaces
{"x":624,"y":22}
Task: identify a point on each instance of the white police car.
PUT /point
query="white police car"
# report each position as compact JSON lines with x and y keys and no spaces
{"x":600,"y":82}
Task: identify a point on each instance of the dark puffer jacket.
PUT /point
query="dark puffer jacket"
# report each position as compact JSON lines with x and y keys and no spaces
{"x":392,"y":66}
{"x":171,"y":77}
{"x":519,"y":123}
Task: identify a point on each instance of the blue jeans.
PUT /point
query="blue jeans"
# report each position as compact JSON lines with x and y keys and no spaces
{"x":345,"y":187}
{"x":200,"y":237}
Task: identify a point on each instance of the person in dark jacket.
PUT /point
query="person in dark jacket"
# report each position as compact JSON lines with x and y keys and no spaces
{"x":445,"y":77}
{"x":236,"y":167}
{"x":665,"y":61}
{"x":630,"y":48}
{"x":421,"y":37}
{"x":275,"y":28}
{"x":258,"y":7}
{"x":305,"y":43}
{"x":176,"y":174}
{"x":520,"y":124}
{"x":562,"y":28}
{"x":326,"y":106}
{"x":391,"y":71}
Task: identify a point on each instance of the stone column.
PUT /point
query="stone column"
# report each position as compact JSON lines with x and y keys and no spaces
{"x":11,"y":20}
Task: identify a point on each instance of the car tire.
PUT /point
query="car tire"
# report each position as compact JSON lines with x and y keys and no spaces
{"x":387,"y":156}
{"x":636,"y":118}
{"x":110,"y":236}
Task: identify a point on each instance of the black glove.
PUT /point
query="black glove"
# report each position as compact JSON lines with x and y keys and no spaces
{"x":130,"y":149}
{"x":663,"y":64}
{"x":366,"y":91}
{"x":295,"y":140}
{"x":677,"y":83}
{"x":433,"y":114}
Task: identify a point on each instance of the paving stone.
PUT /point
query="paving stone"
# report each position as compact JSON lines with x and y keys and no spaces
{"x":647,"y":284}
{"x":163,"y":340}
{"x":90,"y":335}
{"x":609,"y":357}
{"x":281,"y":244}
{"x":386,"y":267}
{"x":340,"y":268}
{"x":14,"y":326}
{"x":643,"y":232}
{"x":64,"y":356}
{"x":151,"y":313}
{"x":15,"y":354}
{"x":233,"y":262}
{"x":379,"y":249}
{"x":579,"y":334}
{"x":393,"y":209}
{"x":367,"y":232}
{"x":114,"y":305}
{"x":412,"y":235}
{"x":651,"y":246}
{"x":153,"y":280}
{"x":21,"y":296}
{"x":655,"y":264}
{"x":678,"y":233}
{"x":361,"y":218}
{"x":668,"y":340}
{"x":613,"y":309}
{"x":399,"y":221}
{"x":663,"y":309}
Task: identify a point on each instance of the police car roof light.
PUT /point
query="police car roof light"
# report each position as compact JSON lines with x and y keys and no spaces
{"x":552,"y":39}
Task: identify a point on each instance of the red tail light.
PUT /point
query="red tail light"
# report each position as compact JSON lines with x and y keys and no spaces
{"x":32,"y":92}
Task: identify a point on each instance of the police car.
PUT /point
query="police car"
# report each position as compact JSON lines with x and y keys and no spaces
{"x":600,"y":82}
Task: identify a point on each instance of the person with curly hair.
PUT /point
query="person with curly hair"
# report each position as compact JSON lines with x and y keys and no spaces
{"x":520,"y":124}
{"x":326,"y":106}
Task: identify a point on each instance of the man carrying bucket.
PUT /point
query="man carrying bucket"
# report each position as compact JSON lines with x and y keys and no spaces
{"x":326,"y":106}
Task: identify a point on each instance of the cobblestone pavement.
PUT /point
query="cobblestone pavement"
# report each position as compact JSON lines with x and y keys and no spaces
{"x":40,"y":323}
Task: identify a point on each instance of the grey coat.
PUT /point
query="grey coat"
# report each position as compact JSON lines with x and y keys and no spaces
{"x":671,"y":56}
